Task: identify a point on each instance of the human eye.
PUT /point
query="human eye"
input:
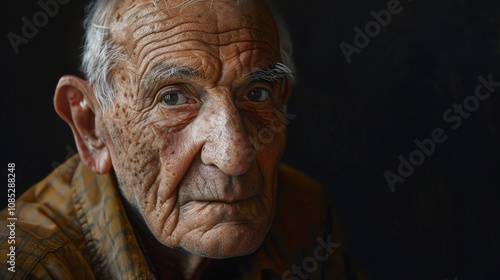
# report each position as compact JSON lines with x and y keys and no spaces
{"x":173,"y":97}
{"x":258,"y":94}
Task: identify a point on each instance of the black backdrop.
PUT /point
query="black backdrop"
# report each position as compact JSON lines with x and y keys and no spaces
{"x":353,"y":121}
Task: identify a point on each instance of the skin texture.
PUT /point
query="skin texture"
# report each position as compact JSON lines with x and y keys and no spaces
{"x":193,"y":182}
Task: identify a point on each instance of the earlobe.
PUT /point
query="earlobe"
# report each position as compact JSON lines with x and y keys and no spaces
{"x":73,"y":102}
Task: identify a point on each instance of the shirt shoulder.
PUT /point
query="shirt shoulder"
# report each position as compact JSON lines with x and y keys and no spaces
{"x":48,"y":205}
{"x":302,"y":230}
{"x":28,"y":252}
{"x":43,"y":239}
{"x":302,"y":204}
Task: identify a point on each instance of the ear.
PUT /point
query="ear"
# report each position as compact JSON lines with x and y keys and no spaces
{"x":74,"y":101}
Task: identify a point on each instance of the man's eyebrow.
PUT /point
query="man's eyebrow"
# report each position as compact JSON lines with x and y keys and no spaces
{"x":272,"y":73}
{"x":162,"y":71}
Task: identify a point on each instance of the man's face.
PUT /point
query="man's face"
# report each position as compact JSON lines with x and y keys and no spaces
{"x":197,"y":89}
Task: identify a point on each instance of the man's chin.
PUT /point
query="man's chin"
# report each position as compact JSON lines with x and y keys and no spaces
{"x":227,"y":240}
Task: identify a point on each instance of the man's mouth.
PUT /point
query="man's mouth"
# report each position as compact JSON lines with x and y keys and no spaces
{"x":234,"y":210}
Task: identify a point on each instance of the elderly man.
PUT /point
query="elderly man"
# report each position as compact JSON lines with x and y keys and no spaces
{"x":180,"y":130}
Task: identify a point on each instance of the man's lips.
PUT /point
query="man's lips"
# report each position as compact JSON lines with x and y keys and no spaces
{"x":237,"y":211}
{"x":229,"y":191}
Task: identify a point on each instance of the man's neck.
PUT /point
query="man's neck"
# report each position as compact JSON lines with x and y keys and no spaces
{"x":170,"y":263}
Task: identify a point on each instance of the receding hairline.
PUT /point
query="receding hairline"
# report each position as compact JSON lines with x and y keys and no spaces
{"x":122,"y":16}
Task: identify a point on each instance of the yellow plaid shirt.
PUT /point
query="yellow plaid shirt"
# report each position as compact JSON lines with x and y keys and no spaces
{"x":72,"y":225}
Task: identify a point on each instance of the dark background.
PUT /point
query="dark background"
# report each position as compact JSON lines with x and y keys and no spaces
{"x":353,"y":121}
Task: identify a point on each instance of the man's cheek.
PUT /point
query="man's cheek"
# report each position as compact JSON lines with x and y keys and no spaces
{"x":133,"y":151}
{"x":268,"y":137}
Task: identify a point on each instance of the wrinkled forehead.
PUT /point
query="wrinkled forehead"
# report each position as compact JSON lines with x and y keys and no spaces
{"x":218,"y":22}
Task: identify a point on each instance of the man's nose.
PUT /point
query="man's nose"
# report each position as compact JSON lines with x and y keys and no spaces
{"x":227,"y":145}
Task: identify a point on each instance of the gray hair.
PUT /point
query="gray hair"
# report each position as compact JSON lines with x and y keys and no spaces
{"x":101,"y":54}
